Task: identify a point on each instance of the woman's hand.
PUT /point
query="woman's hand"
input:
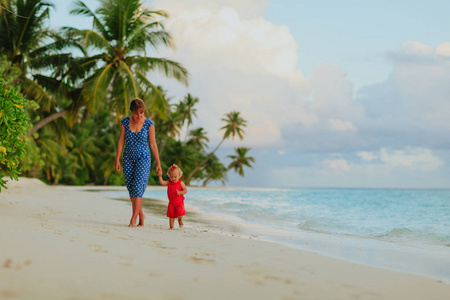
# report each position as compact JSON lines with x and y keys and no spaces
{"x":117,"y":166}
{"x":158,"y":169}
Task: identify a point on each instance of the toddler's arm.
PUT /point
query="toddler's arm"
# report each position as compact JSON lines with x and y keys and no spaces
{"x":183,"y":189}
{"x":161,"y":181}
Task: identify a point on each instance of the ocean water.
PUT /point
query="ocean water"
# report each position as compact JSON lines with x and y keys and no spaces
{"x":401,"y":229}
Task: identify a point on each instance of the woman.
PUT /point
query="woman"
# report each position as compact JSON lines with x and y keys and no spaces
{"x":136,"y":132}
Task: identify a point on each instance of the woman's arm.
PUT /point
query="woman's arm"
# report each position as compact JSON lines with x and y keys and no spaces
{"x":120,"y":147}
{"x":154,"y":147}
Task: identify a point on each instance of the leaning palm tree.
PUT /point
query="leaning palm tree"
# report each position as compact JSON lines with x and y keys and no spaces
{"x":234,"y":123}
{"x":240,"y":160}
{"x":215,"y":170}
{"x":122,"y":31}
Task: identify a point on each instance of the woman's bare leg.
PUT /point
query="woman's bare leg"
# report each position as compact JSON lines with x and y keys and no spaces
{"x":141,"y":218}
{"x":134,"y":204}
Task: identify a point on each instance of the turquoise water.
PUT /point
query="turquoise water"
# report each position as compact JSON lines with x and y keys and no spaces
{"x":416,"y":216}
{"x":392,"y":228}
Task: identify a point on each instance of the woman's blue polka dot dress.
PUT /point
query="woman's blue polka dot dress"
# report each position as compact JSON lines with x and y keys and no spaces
{"x":136,"y":158}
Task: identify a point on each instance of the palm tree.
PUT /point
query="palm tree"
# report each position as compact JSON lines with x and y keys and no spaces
{"x":181,"y":154}
{"x":122,"y":30}
{"x":215,"y":170}
{"x":186,"y":110}
{"x":30,"y":45}
{"x":198,"y":138}
{"x":240,"y":160}
{"x":233,"y":127}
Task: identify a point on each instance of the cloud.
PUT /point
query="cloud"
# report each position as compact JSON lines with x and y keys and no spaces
{"x":337,"y":164}
{"x":406,"y":167}
{"x":411,"y":107}
{"x":239,"y":60}
{"x":367,"y":156}
{"x":338,"y":125}
{"x":443,"y":49}
{"x":412,"y":158}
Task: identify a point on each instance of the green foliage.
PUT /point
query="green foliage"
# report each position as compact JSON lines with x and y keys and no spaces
{"x":240,"y":159}
{"x":14,"y":123}
{"x":123,"y":31}
{"x":81,"y":99}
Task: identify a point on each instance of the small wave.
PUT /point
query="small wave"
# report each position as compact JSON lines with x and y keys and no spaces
{"x":401,"y":232}
{"x":408,"y":234}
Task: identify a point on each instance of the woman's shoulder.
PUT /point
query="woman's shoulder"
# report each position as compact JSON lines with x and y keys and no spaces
{"x":149,"y":122}
{"x":125,"y":120}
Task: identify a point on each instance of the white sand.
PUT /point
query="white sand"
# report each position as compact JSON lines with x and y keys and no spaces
{"x":63,"y":243}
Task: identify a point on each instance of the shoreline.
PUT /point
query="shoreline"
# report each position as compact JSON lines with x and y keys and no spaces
{"x":66,"y":243}
{"x":419,"y":259}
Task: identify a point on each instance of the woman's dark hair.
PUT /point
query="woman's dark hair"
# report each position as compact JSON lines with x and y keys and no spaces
{"x":137,"y":104}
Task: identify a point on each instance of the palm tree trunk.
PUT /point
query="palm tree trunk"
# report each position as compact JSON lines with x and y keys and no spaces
{"x":47,"y":120}
{"x":203,"y":162}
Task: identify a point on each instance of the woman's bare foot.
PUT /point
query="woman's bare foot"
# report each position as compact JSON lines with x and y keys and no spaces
{"x":132,"y":225}
{"x":141,"y":220}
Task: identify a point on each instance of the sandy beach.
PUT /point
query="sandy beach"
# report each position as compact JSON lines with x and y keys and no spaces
{"x":66,"y":243}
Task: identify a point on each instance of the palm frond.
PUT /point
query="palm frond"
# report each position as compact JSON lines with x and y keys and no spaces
{"x":33,"y":90}
{"x":170,"y":68}
{"x":97,"y":87}
{"x":158,"y":102}
{"x":83,"y":9}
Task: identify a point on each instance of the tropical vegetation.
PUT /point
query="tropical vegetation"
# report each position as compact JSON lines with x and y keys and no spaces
{"x":14,"y":123}
{"x":79,"y":83}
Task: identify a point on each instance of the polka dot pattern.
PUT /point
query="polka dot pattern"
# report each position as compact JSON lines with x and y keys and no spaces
{"x":136,"y":158}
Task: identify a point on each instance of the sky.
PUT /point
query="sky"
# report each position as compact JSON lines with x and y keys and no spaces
{"x":336,"y":93}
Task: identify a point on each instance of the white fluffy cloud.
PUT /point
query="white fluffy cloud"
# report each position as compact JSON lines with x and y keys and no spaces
{"x":337,"y":164}
{"x":239,"y":60}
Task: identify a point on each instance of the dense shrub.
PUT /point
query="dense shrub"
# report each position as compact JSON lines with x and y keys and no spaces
{"x":14,"y":123}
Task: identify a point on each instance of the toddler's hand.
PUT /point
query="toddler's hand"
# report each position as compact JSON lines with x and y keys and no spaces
{"x":178,"y":192}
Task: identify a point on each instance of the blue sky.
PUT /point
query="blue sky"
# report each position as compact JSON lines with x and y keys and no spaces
{"x":336,"y":93}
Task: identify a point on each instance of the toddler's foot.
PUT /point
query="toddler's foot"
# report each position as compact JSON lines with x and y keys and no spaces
{"x":141,"y":221}
{"x":180,"y":223}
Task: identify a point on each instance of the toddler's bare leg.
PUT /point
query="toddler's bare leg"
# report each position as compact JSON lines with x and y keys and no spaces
{"x":180,"y":221}
{"x":171,"y":222}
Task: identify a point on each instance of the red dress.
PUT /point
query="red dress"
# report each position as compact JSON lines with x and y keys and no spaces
{"x":176,"y":202}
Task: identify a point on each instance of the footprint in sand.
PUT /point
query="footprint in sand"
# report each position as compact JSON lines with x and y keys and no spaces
{"x":7,"y":263}
{"x":9,"y":294}
{"x":98,"y":248}
{"x":200,"y":260}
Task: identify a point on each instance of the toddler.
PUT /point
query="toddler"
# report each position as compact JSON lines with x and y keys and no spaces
{"x":175,"y":191}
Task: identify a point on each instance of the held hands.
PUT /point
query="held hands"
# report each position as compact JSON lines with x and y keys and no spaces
{"x":159,"y":171}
